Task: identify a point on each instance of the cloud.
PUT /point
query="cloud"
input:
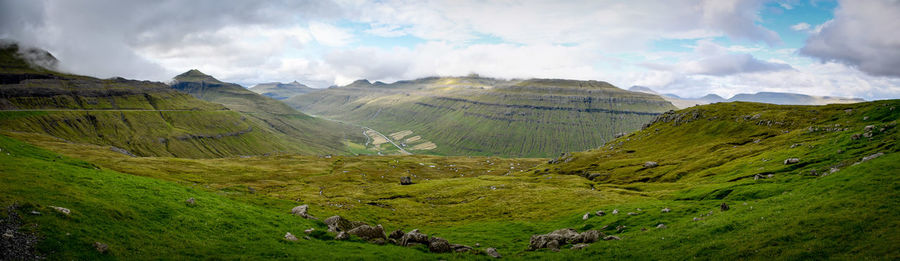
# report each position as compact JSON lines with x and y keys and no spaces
{"x":800,"y":27}
{"x":863,"y":34}
{"x":715,"y":60}
{"x":330,"y":35}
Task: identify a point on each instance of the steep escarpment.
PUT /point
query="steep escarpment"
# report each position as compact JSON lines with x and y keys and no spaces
{"x":136,"y":117}
{"x":484,"y":116}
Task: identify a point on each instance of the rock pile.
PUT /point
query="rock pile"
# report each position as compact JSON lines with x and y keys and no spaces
{"x":302,"y":211}
{"x":561,"y":237}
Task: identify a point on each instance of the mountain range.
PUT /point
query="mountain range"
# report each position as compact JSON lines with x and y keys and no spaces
{"x":761,"y":97}
{"x":281,"y":91}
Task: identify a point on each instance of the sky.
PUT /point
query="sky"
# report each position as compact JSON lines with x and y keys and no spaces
{"x":847,"y":48}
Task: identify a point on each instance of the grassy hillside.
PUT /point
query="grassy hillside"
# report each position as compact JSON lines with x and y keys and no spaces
{"x":482,"y":116}
{"x":281,"y":91}
{"x":290,"y":125}
{"x":836,"y":202}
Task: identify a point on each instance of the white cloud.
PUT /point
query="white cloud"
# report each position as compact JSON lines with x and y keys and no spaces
{"x":330,"y":35}
{"x":863,"y":34}
{"x":800,"y":27}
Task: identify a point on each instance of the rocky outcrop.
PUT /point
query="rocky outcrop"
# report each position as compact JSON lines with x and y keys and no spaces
{"x":414,"y":237}
{"x":406,"y":180}
{"x":555,"y":239}
{"x":338,"y":223}
{"x":302,"y":211}
{"x":492,"y":252}
{"x":439,"y":245}
{"x":368,"y":232}
{"x":290,"y":237}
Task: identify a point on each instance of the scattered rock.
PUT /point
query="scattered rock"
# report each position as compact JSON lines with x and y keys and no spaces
{"x":477,"y":245}
{"x":586,"y":216}
{"x":406,"y":180}
{"x":866,"y":118}
{"x":101,"y":247}
{"x":661,"y":226}
{"x":290,"y":237}
{"x":379,"y":241}
{"x":368,"y":232}
{"x":650,"y":164}
{"x":615,"y":211}
{"x":632,"y":213}
{"x":9,"y":233}
{"x":855,"y":136}
{"x":869,"y":128}
{"x":414,"y":236}
{"x":697,"y":219}
{"x":791,"y":161}
{"x":724,"y":207}
{"x":492,"y":252}
{"x":553,"y":245}
{"x":63,"y":210}
{"x":589,"y":236}
{"x":342,"y":236}
{"x":307,"y":238}
{"x":611,"y":238}
{"x":338,"y":223}
{"x":302,"y":211}
{"x":579,"y":246}
{"x":34,"y":212}
{"x":191,"y":202}
{"x":666,"y":210}
{"x":396,"y":235}
{"x":438,"y":245}
{"x":873,"y":156}
{"x":796,"y":145}
{"x":310,"y":230}
{"x":600,"y":213}
{"x":557,"y":238}
{"x":620,"y":228}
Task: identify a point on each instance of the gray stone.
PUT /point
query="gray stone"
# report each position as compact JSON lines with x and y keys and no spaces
{"x":406,"y":180}
{"x":661,"y":226}
{"x":101,"y":247}
{"x":342,"y":236}
{"x":791,"y":161}
{"x":191,"y":202}
{"x":873,"y":156}
{"x":396,"y":235}
{"x":63,"y":210}
{"x":310,"y":230}
{"x":290,"y":237}
{"x":439,"y":245}
{"x":460,"y":248}
{"x":586,"y":216}
{"x":589,"y":236}
{"x":724,"y":207}
{"x":600,"y":213}
{"x":612,"y":238}
{"x":368,"y":232}
{"x":666,"y":210}
{"x":492,"y":252}
{"x":338,"y":223}
{"x":650,"y":164}
{"x":414,"y":236}
{"x":301,"y":211}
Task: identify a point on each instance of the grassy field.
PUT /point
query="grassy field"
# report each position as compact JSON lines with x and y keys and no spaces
{"x":831,"y":204}
{"x":489,"y":117}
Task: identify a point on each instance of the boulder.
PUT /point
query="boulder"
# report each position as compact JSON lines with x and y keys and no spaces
{"x":290,"y":237}
{"x":396,"y":235}
{"x":557,"y":238}
{"x":439,"y":245}
{"x":586,"y":216}
{"x":338,"y":223}
{"x":666,"y":210}
{"x":615,"y":211}
{"x":791,"y":161}
{"x":873,"y":156}
{"x":101,"y":247}
{"x":63,"y":210}
{"x":553,"y":245}
{"x":579,"y":246}
{"x":600,"y":213}
{"x":611,"y":238}
{"x":492,"y":252}
{"x":190,"y":202}
{"x":342,"y":236}
{"x":379,"y":241}
{"x":310,"y":230}
{"x":661,"y":226}
{"x":632,"y":213}
{"x":724,"y":207}
{"x":368,"y":232}
{"x":589,"y":236}
{"x":302,"y":211}
{"x":412,"y":237}
{"x":406,"y":180}
{"x":650,"y":164}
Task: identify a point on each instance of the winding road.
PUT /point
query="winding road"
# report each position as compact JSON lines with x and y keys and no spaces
{"x":386,"y":138}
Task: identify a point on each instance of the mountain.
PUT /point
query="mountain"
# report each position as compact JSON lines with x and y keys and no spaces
{"x":485,"y":116}
{"x":281,"y":120}
{"x":680,"y":102}
{"x":140,"y":118}
{"x":762,"y":97}
{"x":716,"y":181}
{"x":281,"y":91}
{"x":791,"y":98}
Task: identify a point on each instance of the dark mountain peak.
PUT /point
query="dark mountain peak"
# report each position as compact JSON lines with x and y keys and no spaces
{"x":712,"y":97}
{"x":195,"y":75}
{"x":14,"y":57}
{"x":360,"y":82}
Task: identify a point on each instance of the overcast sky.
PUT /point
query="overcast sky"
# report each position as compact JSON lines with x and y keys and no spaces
{"x":689,"y":48}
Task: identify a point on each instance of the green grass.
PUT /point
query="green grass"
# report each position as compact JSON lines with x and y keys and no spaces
{"x":704,"y":161}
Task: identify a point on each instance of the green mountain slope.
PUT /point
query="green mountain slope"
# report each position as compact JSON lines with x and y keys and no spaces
{"x":281,"y":91}
{"x":135,"y":117}
{"x":483,"y":116}
{"x":290,"y":125}
{"x":838,"y":201}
